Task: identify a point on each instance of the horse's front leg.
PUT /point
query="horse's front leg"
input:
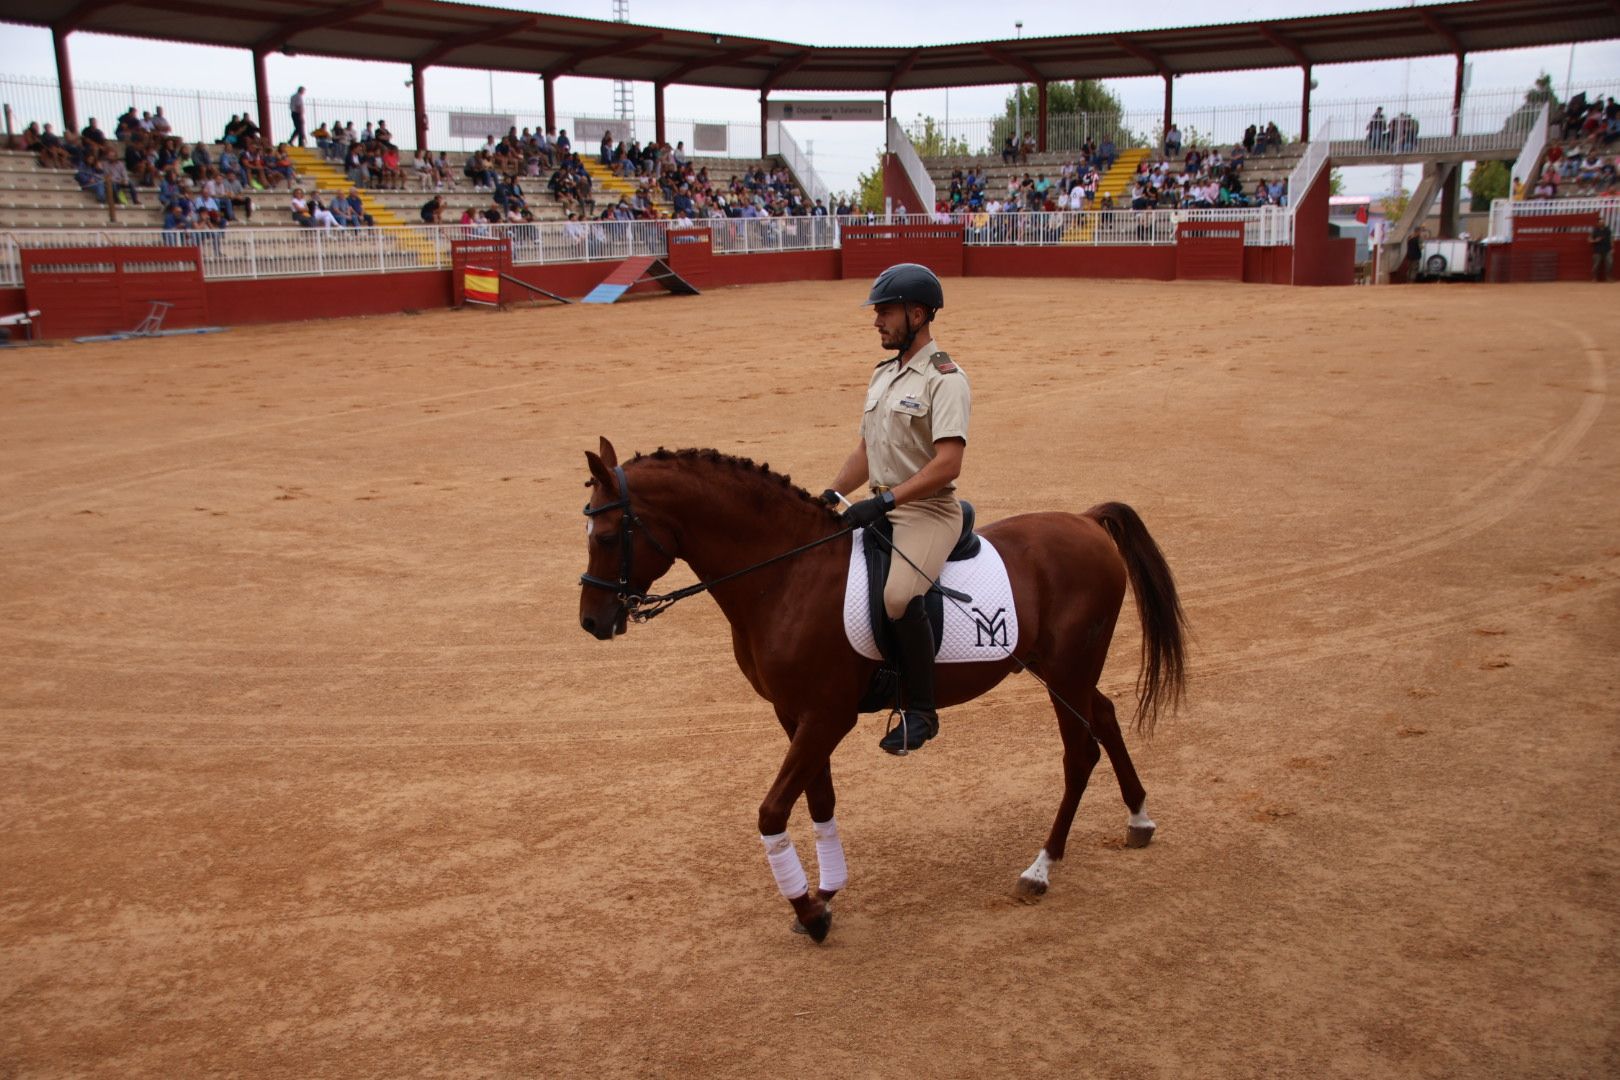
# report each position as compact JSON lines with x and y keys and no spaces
{"x":806,"y":770}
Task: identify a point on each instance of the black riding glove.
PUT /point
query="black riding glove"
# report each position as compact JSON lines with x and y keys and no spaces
{"x":868,"y":512}
{"x":831,"y":497}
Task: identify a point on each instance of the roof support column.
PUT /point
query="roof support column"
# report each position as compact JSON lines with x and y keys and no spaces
{"x":764,"y":125}
{"x":419,"y":97}
{"x":548,"y":95}
{"x":1305,"y":107}
{"x":1456,"y":98}
{"x":1169,"y":106}
{"x":658,"y":113}
{"x":261,"y":89}
{"x":64,"y":80}
{"x":1040,"y":117}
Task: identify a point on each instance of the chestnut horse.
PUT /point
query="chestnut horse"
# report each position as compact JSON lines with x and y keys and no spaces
{"x":731,"y":519}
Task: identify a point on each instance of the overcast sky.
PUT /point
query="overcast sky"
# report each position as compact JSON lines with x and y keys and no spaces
{"x":840,"y":149}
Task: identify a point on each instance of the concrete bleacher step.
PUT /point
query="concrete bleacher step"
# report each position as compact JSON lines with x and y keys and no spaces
{"x":323,"y":174}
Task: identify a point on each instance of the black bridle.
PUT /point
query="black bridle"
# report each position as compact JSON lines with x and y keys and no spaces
{"x":627,"y":546}
{"x":640,"y":606}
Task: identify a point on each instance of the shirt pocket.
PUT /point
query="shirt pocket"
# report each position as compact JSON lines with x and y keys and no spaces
{"x":910,"y":407}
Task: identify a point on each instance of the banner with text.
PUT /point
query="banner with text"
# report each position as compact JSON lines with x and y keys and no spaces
{"x":471,"y":125}
{"x":825,"y":109}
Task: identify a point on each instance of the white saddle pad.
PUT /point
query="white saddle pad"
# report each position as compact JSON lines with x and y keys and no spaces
{"x":985,"y":629}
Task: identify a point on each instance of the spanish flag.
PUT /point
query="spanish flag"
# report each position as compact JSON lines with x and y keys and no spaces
{"x":480,"y":285}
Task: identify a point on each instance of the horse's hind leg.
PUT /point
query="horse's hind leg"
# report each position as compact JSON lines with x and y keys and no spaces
{"x":1080,"y":755}
{"x":1104,"y":725}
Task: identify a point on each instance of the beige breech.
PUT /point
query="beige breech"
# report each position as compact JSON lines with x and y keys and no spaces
{"x":925,"y":531}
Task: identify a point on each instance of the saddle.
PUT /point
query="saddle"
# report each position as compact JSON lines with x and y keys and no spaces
{"x":883,"y":691}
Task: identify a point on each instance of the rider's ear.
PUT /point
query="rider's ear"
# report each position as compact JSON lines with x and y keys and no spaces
{"x":601,"y":471}
{"x":610,"y":456}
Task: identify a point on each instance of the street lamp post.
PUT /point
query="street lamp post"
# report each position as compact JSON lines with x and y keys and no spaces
{"x":1018,"y":102}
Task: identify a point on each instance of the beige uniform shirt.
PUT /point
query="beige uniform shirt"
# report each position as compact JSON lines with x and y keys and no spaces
{"x":908,"y":408}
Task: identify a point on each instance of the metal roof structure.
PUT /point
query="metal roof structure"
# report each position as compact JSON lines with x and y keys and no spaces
{"x":425,"y":33}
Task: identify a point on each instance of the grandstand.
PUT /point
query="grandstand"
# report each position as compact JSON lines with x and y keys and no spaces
{"x":1285,"y":238}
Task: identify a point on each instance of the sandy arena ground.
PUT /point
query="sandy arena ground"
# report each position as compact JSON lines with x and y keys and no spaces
{"x":306,"y":768}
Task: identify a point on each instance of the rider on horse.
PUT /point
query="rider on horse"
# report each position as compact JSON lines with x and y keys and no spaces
{"x":913,"y":435}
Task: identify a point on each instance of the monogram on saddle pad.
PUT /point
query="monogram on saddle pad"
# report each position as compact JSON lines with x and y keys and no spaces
{"x":982,"y":627}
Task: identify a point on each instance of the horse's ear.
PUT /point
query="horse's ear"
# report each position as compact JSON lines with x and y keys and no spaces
{"x":601,"y":472}
{"x":610,"y":456}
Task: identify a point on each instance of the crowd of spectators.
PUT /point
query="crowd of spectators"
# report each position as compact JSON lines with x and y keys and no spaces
{"x":1399,"y":132}
{"x":194,"y":188}
{"x":1205,"y":178}
{"x":1584,"y":163}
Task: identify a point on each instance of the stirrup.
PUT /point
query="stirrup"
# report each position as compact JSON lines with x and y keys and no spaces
{"x":914,"y":729}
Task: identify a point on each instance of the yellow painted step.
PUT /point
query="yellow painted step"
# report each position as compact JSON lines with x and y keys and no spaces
{"x":317,"y":171}
{"x":1118,"y":178}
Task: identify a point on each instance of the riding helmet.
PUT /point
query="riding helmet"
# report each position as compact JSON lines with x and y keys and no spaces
{"x":909,"y":283}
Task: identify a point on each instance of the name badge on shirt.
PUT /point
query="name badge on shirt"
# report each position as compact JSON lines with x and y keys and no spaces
{"x":911,"y":406}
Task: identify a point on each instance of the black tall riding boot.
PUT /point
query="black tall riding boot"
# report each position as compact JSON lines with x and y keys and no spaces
{"x":914,"y":641}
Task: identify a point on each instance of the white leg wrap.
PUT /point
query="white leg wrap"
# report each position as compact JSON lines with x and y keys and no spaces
{"x":785,"y":865}
{"x":1140,"y":820}
{"x":830,"y":856}
{"x":1040,"y":870}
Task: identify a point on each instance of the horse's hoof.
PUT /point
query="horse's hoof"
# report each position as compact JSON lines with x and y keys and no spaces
{"x":1138,"y":835}
{"x":818,"y":927}
{"x":1030,"y":889}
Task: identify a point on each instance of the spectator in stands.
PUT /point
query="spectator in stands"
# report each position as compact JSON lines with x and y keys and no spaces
{"x":140,"y":160}
{"x":295,"y":105}
{"x":1602,"y":251}
{"x":197,"y":168}
{"x":432,"y":212}
{"x":357,"y":165}
{"x":234,"y":194}
{"x":1009,"y":151}
{"x":300,"y":208}
{"x":116,"y":177}
{"x":47,"y":146}
{"x":1172,"y":141}
{"x":89,"y":176}
{"x":443,"y":176}
{"x":281,"y":168}
{"x":1106,"y":154}
{"x":357,"y":209}
{"x":178,"y":217}
{"x":393,"y":177}
{"x":322,"y":213}
{"x":93,"y":134}
{"x":480,"y":171}
{"x":1377,"y":129}
{"x":160,"y":123}
{"x":422,"y":169}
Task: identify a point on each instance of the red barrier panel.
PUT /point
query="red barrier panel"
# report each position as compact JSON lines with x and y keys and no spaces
{"x":486,"y":254}
{"x":691,"y":255}
{"x":1209,"y":250}
{"x":1552,"y":247}
{"x":871,"y":249}
{"x":109,"y":290}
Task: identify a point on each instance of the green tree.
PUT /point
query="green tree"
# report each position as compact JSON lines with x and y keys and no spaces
{"x":869,"y":186}
{"x":929,"y":137}
{"x":1542,"y":93}
{"x":1394,"y":205}
{"x":1076,"y":111}
{"x":1336,"y":182}
{"x":1488,"y":180}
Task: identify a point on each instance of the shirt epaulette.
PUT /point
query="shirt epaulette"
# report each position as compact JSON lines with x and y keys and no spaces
{"x":943,"y":363}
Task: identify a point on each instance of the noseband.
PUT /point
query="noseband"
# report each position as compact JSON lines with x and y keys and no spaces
{"x":627,"y":545}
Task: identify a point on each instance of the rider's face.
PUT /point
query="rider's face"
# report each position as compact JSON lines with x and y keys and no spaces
{"x":893,"y":323}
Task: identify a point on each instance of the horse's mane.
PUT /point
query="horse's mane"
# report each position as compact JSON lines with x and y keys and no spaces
{"x":759,"y":474}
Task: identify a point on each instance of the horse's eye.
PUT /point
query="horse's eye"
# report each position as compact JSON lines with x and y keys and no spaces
{"x":606,"y":540}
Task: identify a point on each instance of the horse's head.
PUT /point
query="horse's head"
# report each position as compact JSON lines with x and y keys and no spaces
{"x":625,"y":556}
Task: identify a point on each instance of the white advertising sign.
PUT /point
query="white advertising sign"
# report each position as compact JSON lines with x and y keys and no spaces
{"x":468,"y":125}
{"x":825,"y":109}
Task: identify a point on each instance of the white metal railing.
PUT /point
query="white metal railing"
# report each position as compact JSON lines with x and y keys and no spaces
{"x":745,"y":236}
{"x":1503,"y":211}
{"x":1484,"y":112}
{"x":1310,"y":164}
{"x":251,"y":253}
{"x":901,"y":147}
{"x":202,"y":114}
{"x":1530,"y":153}
{"x":798,"y":163}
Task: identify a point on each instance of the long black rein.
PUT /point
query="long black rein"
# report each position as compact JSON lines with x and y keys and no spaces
{"x":642,"y":607}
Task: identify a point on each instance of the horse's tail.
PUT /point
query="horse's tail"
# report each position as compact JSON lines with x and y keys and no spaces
{"x":1163,"y":673}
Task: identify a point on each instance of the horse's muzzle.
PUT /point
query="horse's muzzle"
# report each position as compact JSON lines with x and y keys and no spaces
{"x":605,"y":629}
